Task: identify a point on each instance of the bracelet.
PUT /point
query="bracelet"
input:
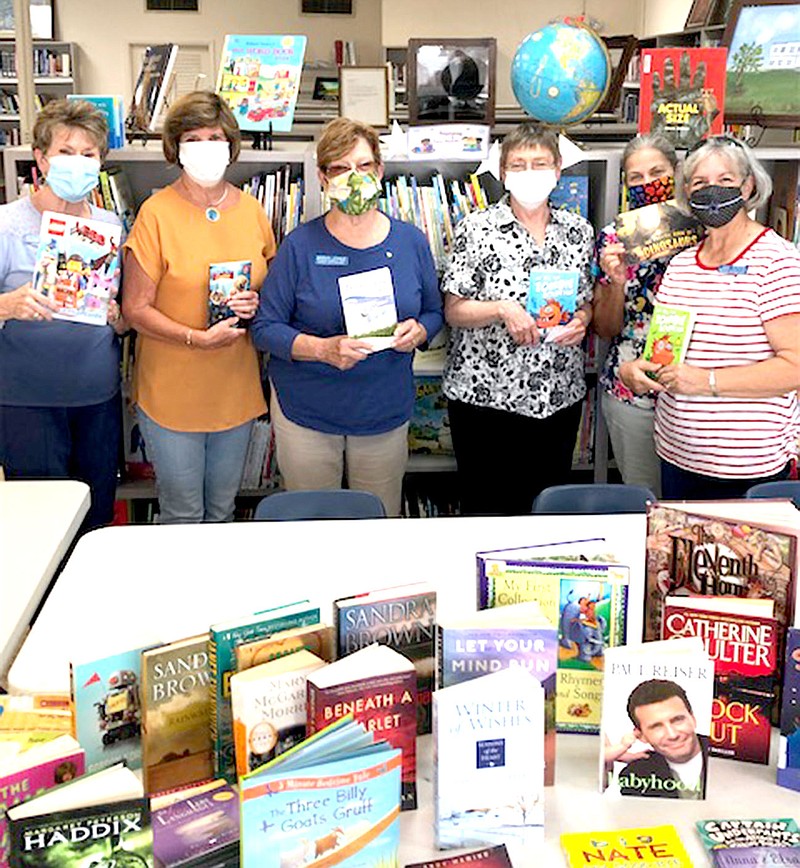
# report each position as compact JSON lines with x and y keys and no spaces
{"x":712,"y":382}
{"x":189,"y":338}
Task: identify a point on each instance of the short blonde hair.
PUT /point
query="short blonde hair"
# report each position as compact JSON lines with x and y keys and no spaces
{"x":76,"y":114}
{"x":201,"y":108}
{"x":340,"y":136}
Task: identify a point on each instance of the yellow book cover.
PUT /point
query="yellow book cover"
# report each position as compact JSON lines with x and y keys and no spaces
{"x":316,"y":638}
{"x":656,"y":846}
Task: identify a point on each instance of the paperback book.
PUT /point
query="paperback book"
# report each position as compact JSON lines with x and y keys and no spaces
{"x":368,"y":305}
{"x":486,"y":857}
{"x":760,"y":832}
{"x":552,"y":299}
{"x":152,"y":85}
{"x":669,"y":335}
{"x":316,"y":638}
{"x":789,"y":743}
{"x":657,"y":846}
{"x":226,"y":279}
{"x":655,"y":231}
{"x":756,"y":857}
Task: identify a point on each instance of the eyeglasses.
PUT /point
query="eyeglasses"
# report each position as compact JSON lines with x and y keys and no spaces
{"x":336,"y":169}
{"x":522,"y":165}
{"x":716,"y":140}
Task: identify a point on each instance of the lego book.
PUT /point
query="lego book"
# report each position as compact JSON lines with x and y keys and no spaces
{"x":656,"y":231}
{"x":225,"y":279}
{"x":760,"y":832}
{"x":654,"y":846}
{"x":789,"y":743}
{"x":552,"y":299}
{"x":369,"y":308}
{"x":669,"y":335}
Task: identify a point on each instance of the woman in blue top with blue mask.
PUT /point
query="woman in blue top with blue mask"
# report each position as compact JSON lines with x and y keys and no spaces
{"x":340,"y":406}
{"x":60,"y":411}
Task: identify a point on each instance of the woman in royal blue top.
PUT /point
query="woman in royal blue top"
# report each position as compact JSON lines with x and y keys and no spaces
{"x":340,"y":406}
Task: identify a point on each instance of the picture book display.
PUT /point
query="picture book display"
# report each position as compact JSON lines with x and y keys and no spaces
{"x":487,"y":857}
{"x":152,"y":85}
{"x":78,"y":266}
{"x":658,"y":846}
{"x":368,"y":305}
{"x":552,"y":299}
{"x":741,"y":637}
{"x":259,"y":78}
{"x":378,"y":687}
{"x":488,"y":785}
{"x":655,"y":231}
{"x":760,"y":832}
{"x":113,"y":109}
{"x":225,"y":279}
{"x":656,"y":720}
{"x":789,"y":743}
{"x":682,"y":93}
{"x":402,"y":617}
{"x":668,"y":335}
{"x":334,"y":799}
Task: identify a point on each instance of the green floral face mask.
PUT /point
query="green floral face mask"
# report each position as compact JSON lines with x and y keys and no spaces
{"x":355,"y":192}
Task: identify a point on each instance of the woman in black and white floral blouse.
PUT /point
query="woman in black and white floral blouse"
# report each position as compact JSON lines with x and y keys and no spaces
{"x":515,"y":398}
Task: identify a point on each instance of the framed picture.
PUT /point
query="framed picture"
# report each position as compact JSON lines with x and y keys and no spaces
{"x":700,"y":13}
{"x":621,"y":50}
{"x":451,"y":80}
{"x":326,"y":88}
{"x":364,"y":94}
{"x":41,"y":19}
{"x":763,"y":62}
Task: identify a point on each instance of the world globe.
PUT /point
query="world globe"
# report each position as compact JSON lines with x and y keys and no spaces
{"x":560,"y":73}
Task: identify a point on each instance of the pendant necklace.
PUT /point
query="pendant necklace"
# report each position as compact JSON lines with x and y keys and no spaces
{"x":212,"y":212}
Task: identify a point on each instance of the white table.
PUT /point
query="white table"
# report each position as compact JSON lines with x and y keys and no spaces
{"x":38,"y":520}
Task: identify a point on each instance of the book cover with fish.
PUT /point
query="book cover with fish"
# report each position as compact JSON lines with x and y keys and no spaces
{"x":552,"y":298}
{"x":669,"y":335}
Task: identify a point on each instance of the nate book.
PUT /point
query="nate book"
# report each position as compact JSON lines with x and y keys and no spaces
{"x":552,"y":299}
{"x":656,"y":231}
{"x":668,"y":335}
{"x":789,"y":743}
{"x":657,"y":846}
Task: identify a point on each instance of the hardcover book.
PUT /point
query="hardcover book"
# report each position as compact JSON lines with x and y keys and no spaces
{"x":789,"y":744}
{"x":378,"y":687}
{"x":552,"y":299}
{"x":487,"y":857}
{"x":659,"y":846}
{"x":488,"y":785}
{"x":401,"y":617}
{"x":756,"y":857}
{"x":655,"y":231}
{"x":78,"y":266}
{"x":668,"y":336}
{"x":225,"y":279}
{"x":741,"y":638}
{"x":656,"y":720}
{"x":761,"y":832}
{"x":150,"y":92}
{"x":369,"y":308}
{"x":176,"y":735}
{"x":332,"y":800}
{"x":316,"y":638}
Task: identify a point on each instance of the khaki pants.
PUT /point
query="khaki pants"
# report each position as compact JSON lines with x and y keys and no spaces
{"x":310,"y":459}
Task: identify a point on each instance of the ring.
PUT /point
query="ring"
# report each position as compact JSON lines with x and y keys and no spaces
{"x":37,"y":315}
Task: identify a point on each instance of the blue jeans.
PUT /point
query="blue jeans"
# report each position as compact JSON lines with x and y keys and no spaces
{"x":197,"y":473}
{"x":680,"y":484}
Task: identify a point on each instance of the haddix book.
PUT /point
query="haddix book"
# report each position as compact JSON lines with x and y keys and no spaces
{"x":655,"y":846}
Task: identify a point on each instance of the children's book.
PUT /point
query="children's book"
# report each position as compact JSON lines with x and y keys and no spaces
{"x":741,"y":637}
{"x":113,"y":109}
{"x":368,"y":305}
{"x":552,"y":299}
{"x":259,"y":78}
{"x":761,"y":832}
{"x":669,"y":335}
{"x":658,"y":846}
{"x":572,"y":194}
{"x":152,"y":85}
{"x":402,"y":617}
{"x":656,"y":720}
{"x":38,"y":713}
{"x":789,"y":743}
{"x":78,"y":266}
{"x":656,"y":231}
{"x":488,"y":785}
{"x":176,"y":699}
{"x":517,"y":636}
{"x":756,"y":857}
{"x":682,"y":93}
{"x":486,"y":857}
{"x":378,"y":687}
{"x":223,"y":639}
{"x":225,"y":279}
{"x":269,"y":708}
{"x":429,"y":425}
{"x":316,"y":638}
{"x":332,"y":800}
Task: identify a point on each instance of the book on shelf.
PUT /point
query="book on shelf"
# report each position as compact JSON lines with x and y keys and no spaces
{"x":759,"y":832}
{"x":789,"y":741}
{"x":486,"y":857}
{"x":91,"y":820}
{"x":223,"y":639}
{"x":552,"y":299}
{"x":226,"y":279}
{"x":656,"y":719}
{"x":655,"y":231}
{"x":756,"y":857}
{"x":572,"y":194}
{"x":260,"y":467}
{"x":113,"y":109}
{"x":488,"y":742}
{"x":282,"y":196}
{"x":402,"y":617}
{"x":668,"y":335}
{"x":658,"y":846}
{"x":517,"y":636}
{"x":333,"y":799}
{"x":176,"y":703}
{"x":429,"y":425}
{"x":316,"y":638}
{"x":369,"y":308}
{"x":378,"y":687}
{"x":78,"y":266}
{"x":122,"y":200}
{"x":741,"y":637}
{"x":268,"y":703}
{"x":152,"y":86}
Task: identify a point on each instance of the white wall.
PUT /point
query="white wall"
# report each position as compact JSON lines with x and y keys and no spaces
{"x":665,"y":16}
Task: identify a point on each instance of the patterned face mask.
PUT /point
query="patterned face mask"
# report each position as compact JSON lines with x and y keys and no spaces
{"x":355,"y":192}
{"x":657,"y":190}
{"x":714,"y":206}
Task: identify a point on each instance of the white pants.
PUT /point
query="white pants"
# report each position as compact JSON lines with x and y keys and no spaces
{"x":309,"y":459}
{"x":631,"y":431}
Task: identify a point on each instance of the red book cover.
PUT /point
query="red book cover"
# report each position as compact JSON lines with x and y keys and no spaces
{"x":682,"y":93}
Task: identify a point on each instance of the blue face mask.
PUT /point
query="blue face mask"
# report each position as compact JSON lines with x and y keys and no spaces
{"x":72,"y":177}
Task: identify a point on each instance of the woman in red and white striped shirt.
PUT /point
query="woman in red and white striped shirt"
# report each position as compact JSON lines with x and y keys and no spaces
{"x":728,"y":417}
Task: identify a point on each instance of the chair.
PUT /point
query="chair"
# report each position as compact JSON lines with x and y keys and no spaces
{"x":781,"y":488}
{"x":598,"y":498}
{"x":330,"y":503}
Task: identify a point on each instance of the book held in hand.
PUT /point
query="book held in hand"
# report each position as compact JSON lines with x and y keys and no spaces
{"x":668,"y":335}
{"x":226,"y":279}
{"x":658,"y":846}
{"x":368,"y":304}
{"x":552,"y":299}
{"x":656,"y":231}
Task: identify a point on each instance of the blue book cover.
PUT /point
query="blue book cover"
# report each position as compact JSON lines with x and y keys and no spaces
{"x":552,"y":297}
{"x":789,"y":744}
{"x":572,"y":194}
{"x":259,"y":78}
{"x":112,"y":107}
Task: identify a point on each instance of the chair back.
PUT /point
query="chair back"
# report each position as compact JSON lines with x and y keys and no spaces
{"x":329,"y":503}
{"x":780,"y":488}
{"x":594,"y":498}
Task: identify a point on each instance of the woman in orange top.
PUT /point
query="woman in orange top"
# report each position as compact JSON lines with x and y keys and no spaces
{"x":196,"y":384}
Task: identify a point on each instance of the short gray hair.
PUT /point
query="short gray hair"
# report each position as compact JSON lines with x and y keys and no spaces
{"x":656,"y":141}
{"x":530,"y":135}
{"x":741,"y":159}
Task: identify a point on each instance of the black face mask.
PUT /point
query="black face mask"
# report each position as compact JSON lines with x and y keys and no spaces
{"x":714,"y":206}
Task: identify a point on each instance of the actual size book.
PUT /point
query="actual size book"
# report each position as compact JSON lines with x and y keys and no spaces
{"x":668,"y":335}
{"x":552,"y":299}
{"x":368,"y":304}
{"x":225,"y":279}
{"x":657,"y":846}
{"x":655,"y":231}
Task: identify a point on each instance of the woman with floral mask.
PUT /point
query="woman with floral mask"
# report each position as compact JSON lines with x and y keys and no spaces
{"x":515,"y":392}
{"x":60,"y":408}
{"x":728,"y":417}
{"x":623,"y":305}
{"x":196,"y":385}
{"x":341,"y":404}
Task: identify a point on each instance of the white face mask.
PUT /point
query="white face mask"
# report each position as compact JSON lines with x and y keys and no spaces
{"x":532,"y":186}
{"x":205,"y":162}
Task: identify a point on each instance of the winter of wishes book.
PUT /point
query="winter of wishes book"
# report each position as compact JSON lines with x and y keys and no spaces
{"x":586,"y":600}
{"x":368,"y":305}
{"x":488,"y":743}
{"x":656,"y":719}
{"x":332,"y":800}
{"x":669,"y":334}
{"x":789,"y":743}
{"x":487,"y":857}
{"x":378,"y":687}
{"x":741,"y":637}
{"x":223,"y":639}
{"x":316,"y":638}
{"x":98,"y":819}
{"x":176,"y":736}
{"x":756,"y":857}
{"x":31,"y":772}
{"x":269,"y":708}
{"x":401,"y":617}
{"x":656,"y":846}
{"x":78,"y":266}
{"x":517,"y":636}
{"x":682,"y":93}
{"x":770,"y":832}
{"x":656,"y":230}
{"x":552,"y":299}
{"x":225,"y":279}
{"x":155,"y":76}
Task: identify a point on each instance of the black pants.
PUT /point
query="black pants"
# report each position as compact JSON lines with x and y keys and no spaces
{"x":505,"y":459}
{"x":680,"y":484}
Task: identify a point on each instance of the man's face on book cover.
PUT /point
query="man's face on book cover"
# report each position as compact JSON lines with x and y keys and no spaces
{"x":669,"y":728}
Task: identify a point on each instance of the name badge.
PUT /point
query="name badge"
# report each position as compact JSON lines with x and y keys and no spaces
{"x":732,"y":269}
{"x":325,"y":259}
